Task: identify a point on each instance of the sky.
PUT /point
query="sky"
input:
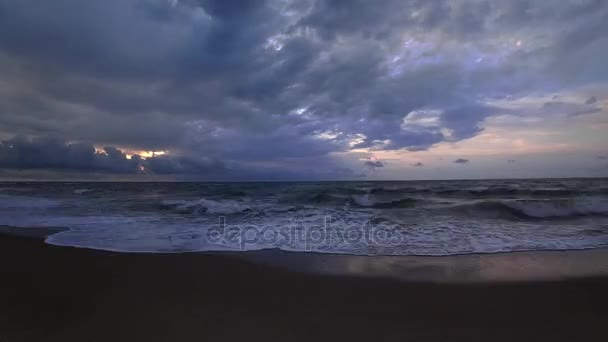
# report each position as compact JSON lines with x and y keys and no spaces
{"x":303,"y":90}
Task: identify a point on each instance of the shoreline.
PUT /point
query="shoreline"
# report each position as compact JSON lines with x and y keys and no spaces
{"x":540,"y":265}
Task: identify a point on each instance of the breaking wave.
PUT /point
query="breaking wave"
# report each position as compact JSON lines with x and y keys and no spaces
{"x":81,"y":191}
{"x":538,"y":208}
{"x":367,"y":201}
{"x":430,"y":218}
{"x":490,"y":191}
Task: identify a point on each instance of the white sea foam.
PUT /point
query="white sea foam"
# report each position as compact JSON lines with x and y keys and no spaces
{"x":81,"y":191}
{"x":406,"y":221}
{"x":447,"y":240}
{"x":321,"y":233}
{"x":365,"y":200}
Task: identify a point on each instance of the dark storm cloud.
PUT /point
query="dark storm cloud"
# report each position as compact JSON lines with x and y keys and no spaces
{"x":250,"y":82}
{"x":591,"y":100}
{"x":53,"y":153}
{"x":570,"y":109}
{"x":461,"y":161}
{"x":374,"y":164}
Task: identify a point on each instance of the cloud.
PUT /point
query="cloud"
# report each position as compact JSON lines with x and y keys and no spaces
{"x":591,"y":100}
{"x":52,"y":153}
{"x":557,"y":108}
{"x":374,"y":164}
{"x":183,"y":165}
{"x":461,"y":161}
{"x":282,"y":82}
{"x":56,"y":154}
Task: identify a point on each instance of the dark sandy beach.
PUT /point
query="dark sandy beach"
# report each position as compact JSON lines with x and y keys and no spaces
{"x":51,"y":293}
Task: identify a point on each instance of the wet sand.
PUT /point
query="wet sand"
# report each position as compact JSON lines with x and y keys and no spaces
{"x":471,"y":268}
{"x":51,"y":293}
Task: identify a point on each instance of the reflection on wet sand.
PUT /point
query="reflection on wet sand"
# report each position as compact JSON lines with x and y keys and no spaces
{"x":517,"y":266}
{"x":520,"y":266}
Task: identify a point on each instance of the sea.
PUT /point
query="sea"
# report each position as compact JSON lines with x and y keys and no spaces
{"x":431,"y":218}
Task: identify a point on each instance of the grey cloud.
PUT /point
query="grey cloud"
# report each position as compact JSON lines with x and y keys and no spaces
{"x":183,"y":165}
{"x":461,"y":161}
{"x":55,"y":154}
{"x":584,"y":42}
{"x":49,"y":154}
{"x":378,"y":19}
{"x":252,"y":82}
{"x":464,"y":121}
{"x":559,"y":108}
{"x":374,"y":164}
{"x":591,"y":100}
{"x":53,"y":38}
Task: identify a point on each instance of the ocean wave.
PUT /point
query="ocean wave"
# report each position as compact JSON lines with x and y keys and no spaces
{"x":81,"y":191}
{"x":27,"y":203}
{"x":428,"y":218}
{"x":207,"y":206}
{"x":600,"y":191}
{"x":324,"y":198}
{"x":334,"y":196}
{"x":359,"y":198}
{"x":395,"y":190}
{"x":486,"y":191}
{"x":367,"y":201}
{"x":537,"y":208}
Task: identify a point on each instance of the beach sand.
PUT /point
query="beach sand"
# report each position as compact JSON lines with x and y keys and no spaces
{"x":51,"y":293}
